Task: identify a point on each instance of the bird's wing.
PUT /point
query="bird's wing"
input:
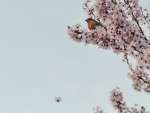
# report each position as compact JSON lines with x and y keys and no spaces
{"x":97,"y":23}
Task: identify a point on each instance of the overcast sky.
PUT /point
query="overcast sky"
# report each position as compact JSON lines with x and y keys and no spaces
{"x":39,"y":61}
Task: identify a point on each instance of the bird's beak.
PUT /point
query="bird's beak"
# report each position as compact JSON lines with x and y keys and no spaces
{"x":86,"y":20}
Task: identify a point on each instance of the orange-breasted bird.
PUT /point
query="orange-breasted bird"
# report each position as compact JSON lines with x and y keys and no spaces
{"x":92,"y":23}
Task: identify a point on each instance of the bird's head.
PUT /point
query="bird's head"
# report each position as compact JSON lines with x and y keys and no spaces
{"x":88,"y":19}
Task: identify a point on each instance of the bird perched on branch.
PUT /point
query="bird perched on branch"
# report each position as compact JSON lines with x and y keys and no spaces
{"x":92,"y":23}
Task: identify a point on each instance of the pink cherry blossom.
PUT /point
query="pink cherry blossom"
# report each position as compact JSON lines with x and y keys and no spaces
{"x":57,"y":99}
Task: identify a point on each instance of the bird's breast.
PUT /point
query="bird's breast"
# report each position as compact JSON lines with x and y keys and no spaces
{"x":91,"y":25}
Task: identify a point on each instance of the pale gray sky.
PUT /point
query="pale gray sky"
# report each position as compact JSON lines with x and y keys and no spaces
{"x":39,"y":61}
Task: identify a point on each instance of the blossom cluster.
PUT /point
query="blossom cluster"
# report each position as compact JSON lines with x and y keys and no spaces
{"x":121,"y":32}
{"x":98,"y":110}
{"x":116,"y":99}
{"x":140,"y":80}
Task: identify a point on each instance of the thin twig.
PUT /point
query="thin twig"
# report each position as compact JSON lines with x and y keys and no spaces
{"x":136,"y":20}
{"x":144,"y":16}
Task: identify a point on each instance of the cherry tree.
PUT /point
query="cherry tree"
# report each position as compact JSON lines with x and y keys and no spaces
{"x":121,"y":31}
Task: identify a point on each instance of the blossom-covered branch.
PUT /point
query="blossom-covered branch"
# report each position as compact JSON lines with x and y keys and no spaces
{"x":120,"y":31}
{"x":119,"y":28}
{"x":116,"y":99}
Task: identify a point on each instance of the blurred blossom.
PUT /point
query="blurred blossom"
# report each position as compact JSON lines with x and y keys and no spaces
{"x":57,"y":99}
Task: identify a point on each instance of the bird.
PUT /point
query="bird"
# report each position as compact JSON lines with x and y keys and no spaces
{"x":92,"y":24}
